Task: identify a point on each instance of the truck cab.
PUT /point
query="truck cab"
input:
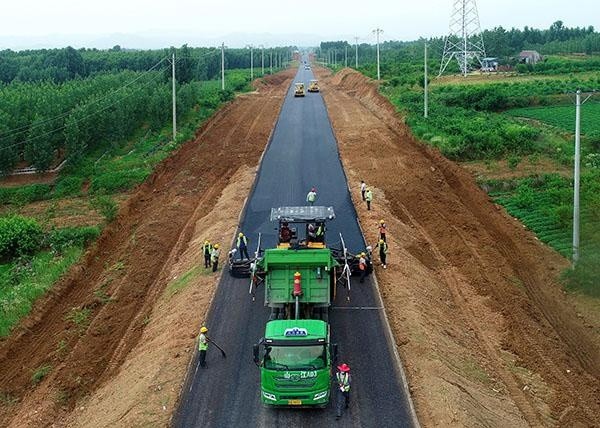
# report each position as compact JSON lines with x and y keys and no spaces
{"x":295,"y":359}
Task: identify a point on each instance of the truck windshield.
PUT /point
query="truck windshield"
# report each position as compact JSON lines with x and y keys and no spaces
{"x":295,"y":357}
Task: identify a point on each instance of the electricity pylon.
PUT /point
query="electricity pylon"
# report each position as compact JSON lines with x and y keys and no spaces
{"x":464,"y":42}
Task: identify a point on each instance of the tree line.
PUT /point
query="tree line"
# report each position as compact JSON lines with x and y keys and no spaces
{"x":99,"y":96}
{"x":61,"y":65}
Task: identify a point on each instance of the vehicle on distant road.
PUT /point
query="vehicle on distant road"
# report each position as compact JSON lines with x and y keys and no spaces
{"x":299,"y":91}
{"x":313,"y":86}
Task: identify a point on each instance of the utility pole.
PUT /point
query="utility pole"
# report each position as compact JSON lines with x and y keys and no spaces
{"x":346,"y":56}
{"x":271,"y":61}
{"x":378,"y":31}
{"x":426,"y":86}
{"x":262,"y":58}
{"x":577,"y":175}
{"x":251,"y":63}
{"x":222,"y":66}
{"x":174,"y":100}
{"x":356,"y":57}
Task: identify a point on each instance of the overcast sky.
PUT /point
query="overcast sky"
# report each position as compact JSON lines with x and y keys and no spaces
{"x":162,"y":23}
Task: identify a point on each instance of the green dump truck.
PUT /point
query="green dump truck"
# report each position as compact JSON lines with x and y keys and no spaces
{"x":300,"y":277}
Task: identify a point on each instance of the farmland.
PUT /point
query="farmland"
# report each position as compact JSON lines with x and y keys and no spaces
{"x":561,"y":116}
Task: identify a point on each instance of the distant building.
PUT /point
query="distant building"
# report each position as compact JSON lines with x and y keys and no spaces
{"x":530,"y":57}
{"x":489,"y":64}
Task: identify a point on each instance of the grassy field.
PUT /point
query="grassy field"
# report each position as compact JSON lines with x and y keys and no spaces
{"x":563,"y":116}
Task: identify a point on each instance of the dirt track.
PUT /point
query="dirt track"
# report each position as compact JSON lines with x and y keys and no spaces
{"x":120,"y":281}
{"x":485,"y":330}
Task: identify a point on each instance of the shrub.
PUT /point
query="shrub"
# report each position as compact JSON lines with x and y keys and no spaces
{"x":513,"y":161}
{"x":19,"y":236}
{"x":68,"y":186}
{"x":106,"y":206}
{"x":59,"y":239}
{"x":24,"y":194}
{"x":117,"y":181}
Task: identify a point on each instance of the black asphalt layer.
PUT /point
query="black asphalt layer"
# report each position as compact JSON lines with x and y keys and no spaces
{"x":302,"y":153}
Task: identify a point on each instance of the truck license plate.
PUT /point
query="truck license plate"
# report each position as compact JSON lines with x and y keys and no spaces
{"x":295,"y":402}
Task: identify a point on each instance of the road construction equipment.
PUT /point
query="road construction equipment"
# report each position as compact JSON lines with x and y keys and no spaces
{"x":300,"y":276}
{"x":299,"y":90}
{"x":313,"y":86}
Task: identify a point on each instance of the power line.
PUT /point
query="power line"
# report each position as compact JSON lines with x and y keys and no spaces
{"x":82,"y":118}
{"x":26,"y":128}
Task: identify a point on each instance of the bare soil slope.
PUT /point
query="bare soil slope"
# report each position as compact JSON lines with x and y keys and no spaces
{"x":87,"y":326}
{"x":485,"y":331}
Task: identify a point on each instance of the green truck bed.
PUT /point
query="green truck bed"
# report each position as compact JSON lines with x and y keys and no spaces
{"x":315,"y":266}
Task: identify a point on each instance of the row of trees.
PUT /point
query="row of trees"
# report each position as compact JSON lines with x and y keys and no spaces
{"x":45,"y":121}
{"x":499,"y":42}
{"x":61,"y":65}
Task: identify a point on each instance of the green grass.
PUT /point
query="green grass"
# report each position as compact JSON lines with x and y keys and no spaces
{"x":563,"y":116}
{"x":183,"y":281}
{"x":22,"y":283}
{"x":40,"y":373}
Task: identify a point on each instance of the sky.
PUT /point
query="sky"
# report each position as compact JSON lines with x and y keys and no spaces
{"x":151,"y":23}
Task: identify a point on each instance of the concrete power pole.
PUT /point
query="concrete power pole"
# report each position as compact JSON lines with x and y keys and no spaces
{"x":174,"y":97}
{"x":356,"y":57}
{"x":378,"y":31}
{"x":222,"y":66}
{"x":426,"y":86}
{"x":577,"y":175}
{"x":271,"y":60}
{"x":251,"y":63}
{"x":346,"y":56}
{"x":262,"y":59}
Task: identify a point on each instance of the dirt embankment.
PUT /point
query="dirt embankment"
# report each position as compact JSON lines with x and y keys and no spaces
{"x":486,"y":333}
{"x":116,"y":334}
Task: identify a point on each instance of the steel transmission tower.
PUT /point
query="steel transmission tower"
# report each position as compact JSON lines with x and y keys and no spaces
{"x":465,"y":42}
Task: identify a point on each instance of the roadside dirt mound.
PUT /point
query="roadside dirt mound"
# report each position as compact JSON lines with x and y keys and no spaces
{"x":85,"y":328}
{"x":484,"y":328}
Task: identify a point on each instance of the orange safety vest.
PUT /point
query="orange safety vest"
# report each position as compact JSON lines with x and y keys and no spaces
{"x":382,"y":229}
{"x":362,"y":263}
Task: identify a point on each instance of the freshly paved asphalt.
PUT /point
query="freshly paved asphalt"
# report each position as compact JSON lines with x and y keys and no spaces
{"x":302,"y":153}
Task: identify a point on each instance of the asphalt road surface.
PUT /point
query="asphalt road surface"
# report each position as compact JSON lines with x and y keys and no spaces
{"x":302,"y":153}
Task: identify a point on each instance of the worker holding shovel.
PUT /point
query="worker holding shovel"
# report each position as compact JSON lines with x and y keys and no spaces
{"x":203,"y":342}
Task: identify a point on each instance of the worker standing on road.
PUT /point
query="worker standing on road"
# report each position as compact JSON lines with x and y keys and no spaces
{"x":383,"y":248}
{"x":368,"y":198}
{"x":214,"y":257}
{"x":363,"y":189}
{"x":207,"y":250}
{"x":382,"y":230}
{"x":343,"y":396}
{"x":242,"y":245}
{"x":311,"y":197}
{"x":362,"y":265}
{"x":203,"y":346}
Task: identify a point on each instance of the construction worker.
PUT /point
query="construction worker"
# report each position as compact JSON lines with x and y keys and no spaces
{"x":383,"y":248}
{"x":285,"y":234}
{"x":311,"y":197}
{"x":214,"y":257}
{"x":363,"y":189}
{"x":206,"y":250}
{"x":203,"y":346}
{"x":382,"y":230}
{"x":362,"y":265}
{"x":343,"y":397}
{"x":320,"y":233}
{"x":368,"y":198}
{"x":242,"y":245}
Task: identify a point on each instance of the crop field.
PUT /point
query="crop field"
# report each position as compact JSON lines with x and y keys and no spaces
{"x":563,"y":116}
